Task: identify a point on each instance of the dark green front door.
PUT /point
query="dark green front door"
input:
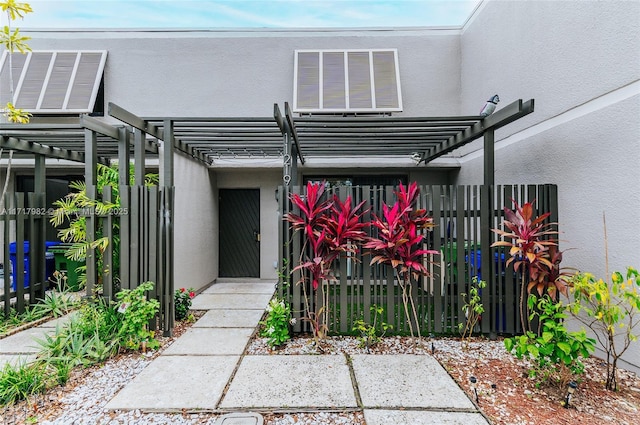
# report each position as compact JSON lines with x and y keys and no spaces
{"x":239,"y":232}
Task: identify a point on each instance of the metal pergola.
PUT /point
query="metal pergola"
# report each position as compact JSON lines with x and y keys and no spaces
{"x":291,"y":139}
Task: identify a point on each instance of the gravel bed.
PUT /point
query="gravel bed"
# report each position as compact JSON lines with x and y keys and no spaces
{"x":452,"y":348}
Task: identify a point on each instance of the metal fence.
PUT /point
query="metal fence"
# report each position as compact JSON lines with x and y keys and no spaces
{"x":140,"y":248}
{"x":464,"y":217}
{"x":23,"y":219}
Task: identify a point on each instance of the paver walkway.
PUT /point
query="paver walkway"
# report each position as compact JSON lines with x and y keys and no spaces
{"x":22,"y":347}
{"x":206,"y":369}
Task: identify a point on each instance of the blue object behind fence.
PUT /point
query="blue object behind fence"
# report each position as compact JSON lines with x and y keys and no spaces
{"x":50,"y":262}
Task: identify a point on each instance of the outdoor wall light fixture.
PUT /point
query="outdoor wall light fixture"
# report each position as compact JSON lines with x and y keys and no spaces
{"x":571,"y":388}
{"x":473,"y":381}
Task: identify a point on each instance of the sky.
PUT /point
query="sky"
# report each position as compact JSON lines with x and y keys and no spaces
{"x":244,"y":13}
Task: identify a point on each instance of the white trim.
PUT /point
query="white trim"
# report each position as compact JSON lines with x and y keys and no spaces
{"x":320,"y":80}
{"x":372,"y":81}
{"x":16,"y":94}
{"x":47,"y":77}
{"x":72,"y":80}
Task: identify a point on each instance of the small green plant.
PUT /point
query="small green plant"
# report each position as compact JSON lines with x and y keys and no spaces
{"x":610,"y":309}
{"x":56,"y":304}
{"x":371,"y":334}
{"x":556,"y":352}
{"x":276,"y":325}
{"x":136,"y":313}
{"x":19,"y":381}
{"x":183,"y":299}
{"x":472,"y":309}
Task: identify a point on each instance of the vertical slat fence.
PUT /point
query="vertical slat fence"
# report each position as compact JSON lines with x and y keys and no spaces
{"x":463,"y":217}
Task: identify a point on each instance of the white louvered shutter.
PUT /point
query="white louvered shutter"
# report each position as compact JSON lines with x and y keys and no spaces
{"x":330,"y":81}
{"x":53,"y":81}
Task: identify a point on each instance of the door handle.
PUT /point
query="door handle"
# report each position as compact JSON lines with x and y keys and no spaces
{"x":256,"y":236}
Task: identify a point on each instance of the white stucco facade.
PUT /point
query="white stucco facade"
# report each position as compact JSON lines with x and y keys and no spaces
{"x":580,"y":61}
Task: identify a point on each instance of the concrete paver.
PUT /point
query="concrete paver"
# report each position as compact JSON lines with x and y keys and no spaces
{"x":177,"y":382}
{"x":210,"y":341}
{"x":229,"y":319}
{"x":59,"y":322}
{"x":15,"y":359}
{"x":413,"y":417}
{"x":406,"y":381}
{"x":231,"y":301}
{"x":24,"y":342}
{"x":241,"y":288}
{"x":292,"y":382}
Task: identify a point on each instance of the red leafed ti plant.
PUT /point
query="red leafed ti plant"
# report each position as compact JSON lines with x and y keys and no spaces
{"x":400,"y":243}
{"x":330,"y":227}
{"x":533,"y":252}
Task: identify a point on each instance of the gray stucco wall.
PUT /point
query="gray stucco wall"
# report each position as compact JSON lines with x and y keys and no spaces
{"x":196,"y":224}
{"x":235,"y":73}
{"x":580,"y":61}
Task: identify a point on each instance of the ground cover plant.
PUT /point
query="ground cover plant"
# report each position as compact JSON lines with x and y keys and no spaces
{"x":96,"y":332}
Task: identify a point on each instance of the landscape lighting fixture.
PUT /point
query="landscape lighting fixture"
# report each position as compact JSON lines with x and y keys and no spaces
{"x":473,"y":381}
{"x":571,"y":388}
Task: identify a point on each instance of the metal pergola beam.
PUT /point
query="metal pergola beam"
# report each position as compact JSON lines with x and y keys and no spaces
{"x":500,"y":118}
{"x":39,"y":149}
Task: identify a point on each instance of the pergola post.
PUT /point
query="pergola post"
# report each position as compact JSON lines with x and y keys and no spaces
{"x":38,"y":239}
{"x":486,"y":221}
{"x":166,"y":244}
{"x":90,"y":177}
{"x":124,"y":178}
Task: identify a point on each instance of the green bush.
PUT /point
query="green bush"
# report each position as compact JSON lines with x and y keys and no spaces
{"x":18,"y":382}
{"x":276,"y":325}
{"x":371,"y":334}
{"x":136,"y":313}
{"x":182,"y":298}
{"x":555,"y":352}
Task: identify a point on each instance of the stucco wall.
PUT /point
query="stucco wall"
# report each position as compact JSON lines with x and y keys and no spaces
{"x":580,"y":61}
{"x":196,"y":224}
{"x":235,"y":73}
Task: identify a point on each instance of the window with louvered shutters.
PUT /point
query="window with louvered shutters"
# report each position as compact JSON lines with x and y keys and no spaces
{"x":53,"y":82}
{"x":331,"y":81}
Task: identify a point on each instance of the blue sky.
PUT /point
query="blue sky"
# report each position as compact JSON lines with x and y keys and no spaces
{"x":244,"y":13}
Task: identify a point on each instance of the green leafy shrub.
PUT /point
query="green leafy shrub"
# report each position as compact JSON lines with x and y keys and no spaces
{"x":136,"y":313}
{"x":610,"y":309}
{"x":556,"y":352}
{"x":182,"y":298}
{"x":276,"y":325}
{"x":18,"y":382}
{"x":371,"y":334}
{"x":472,"y":309}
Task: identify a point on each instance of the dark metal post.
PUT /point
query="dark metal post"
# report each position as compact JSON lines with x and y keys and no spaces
{"x":123,"y":217}
{"x":167,"y":235}
{"x":38,"y":255}
{"x":486,"y":219}
{"x":90,"y":177}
